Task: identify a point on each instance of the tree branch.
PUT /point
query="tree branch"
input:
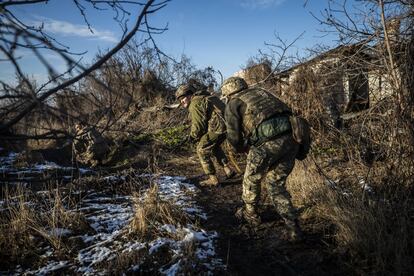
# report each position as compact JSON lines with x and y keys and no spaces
{"x":93,"y":67}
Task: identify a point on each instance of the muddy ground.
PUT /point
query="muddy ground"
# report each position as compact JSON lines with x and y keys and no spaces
{"x":265,"y":250}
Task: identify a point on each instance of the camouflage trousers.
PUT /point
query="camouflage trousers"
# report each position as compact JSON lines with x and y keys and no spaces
{"x":208,"y":147}
{"x":272,"y":161}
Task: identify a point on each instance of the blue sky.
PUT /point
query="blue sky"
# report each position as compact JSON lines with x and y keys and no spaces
{"x":225,"y":33}
{"x":218,"y":33}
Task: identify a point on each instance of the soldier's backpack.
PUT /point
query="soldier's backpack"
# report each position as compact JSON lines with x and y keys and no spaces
{"x":301,"y":134}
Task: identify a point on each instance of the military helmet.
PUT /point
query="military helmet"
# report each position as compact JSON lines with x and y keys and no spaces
{"x":184,"y":90}
{"x":197,"y":84}
{"x":233,"y":85}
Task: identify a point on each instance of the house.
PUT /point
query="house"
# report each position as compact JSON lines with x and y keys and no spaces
{"x":349,"y":78}
{"x":255,"y":74}
{"x":350,"y":75}
{"x":353,"y":76}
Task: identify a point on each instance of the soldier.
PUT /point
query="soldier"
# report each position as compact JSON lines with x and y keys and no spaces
{"x":208,"y":128}
{"x":89,"y":146}
{"x":258,"y":123}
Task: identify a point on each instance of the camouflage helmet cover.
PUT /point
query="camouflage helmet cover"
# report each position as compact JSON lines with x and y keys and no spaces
{"x":197,"y":84}
{"x":184,"y":90}
{"x":233,"y":85}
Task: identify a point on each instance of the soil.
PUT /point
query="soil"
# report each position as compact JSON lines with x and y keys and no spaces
{"x":263,"y":250}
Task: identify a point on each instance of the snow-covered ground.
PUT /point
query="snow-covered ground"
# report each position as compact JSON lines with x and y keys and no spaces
{"x":28,"y":174}
{"x":109,"y":239}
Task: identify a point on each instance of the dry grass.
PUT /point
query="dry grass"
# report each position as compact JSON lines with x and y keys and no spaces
{"x":16,"y":236}
{"x":29,"y":222}
{"x":372,"y":231}
{"x":153,"y":212}
{"x":305,"y":183}
{"x":57,"y":216}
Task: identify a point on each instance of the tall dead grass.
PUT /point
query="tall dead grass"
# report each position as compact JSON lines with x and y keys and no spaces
{"x":372,"y":230}
{"x":153,"y":212}
{"x":357,"y":179}
{"x":377,"y":234}
{"x":27,"y":222}
{"x":16,"y":236}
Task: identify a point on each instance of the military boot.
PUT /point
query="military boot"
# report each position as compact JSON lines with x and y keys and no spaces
{"x":248,"y":213}
{"x":211,"y":181}
{"x":294,"y":231}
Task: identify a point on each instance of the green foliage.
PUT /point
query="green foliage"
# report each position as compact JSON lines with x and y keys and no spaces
{"x":319,"y":150}
{"x":172,"y":137}
{"x":142,"y":138}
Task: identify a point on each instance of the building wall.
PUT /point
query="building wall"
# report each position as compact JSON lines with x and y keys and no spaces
{"x":254,"y":74}
{"x":379,"y":86}
{"x":345,"y":86}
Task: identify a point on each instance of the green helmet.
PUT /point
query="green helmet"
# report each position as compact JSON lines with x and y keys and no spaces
{"x":196,"y":84}
{"x":233,"y":85}
{"x":184,"y":90}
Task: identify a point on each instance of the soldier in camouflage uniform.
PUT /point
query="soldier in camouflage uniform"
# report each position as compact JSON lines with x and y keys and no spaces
{"x":89,"y":146}
{"x":208,"y":128}
{"x":258,"y":123}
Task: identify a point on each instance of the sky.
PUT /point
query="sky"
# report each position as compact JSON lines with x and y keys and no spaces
{"x":218,"y":33}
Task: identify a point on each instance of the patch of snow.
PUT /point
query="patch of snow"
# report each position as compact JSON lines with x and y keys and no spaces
{"x":204,"y":240}
{"x":169,"y":228}
{"x":84,"y":171}
{"x":48,"y":252}
{"x":365,"y":186}
{"x":133,"y":246}
{"x":135,"y":268}
{"x":173,"y":188}
{"x":109,"y":217}
{"x":157,"y":244}
{"x":36,"y":170}
{"x":196,"y":211}
{"x":173,"y":270}
{"x":46,"y":166}
{"x":60,"y":232}
{"x":6,"y":162}
{"x":93,"y":256}
{"x":50,"y":268}
{"x":112,"y":218}
{"x":88,"y":239}
{"x":114,"y":178}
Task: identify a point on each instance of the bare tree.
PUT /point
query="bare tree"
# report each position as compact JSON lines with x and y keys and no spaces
{"x":19,"y":101}
{"x":384,"y":29}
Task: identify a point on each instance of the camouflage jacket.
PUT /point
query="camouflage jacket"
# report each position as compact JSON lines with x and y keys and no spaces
{"x":89,"y":139}
{"x":247,"y":110}
{"x":206,"y":113}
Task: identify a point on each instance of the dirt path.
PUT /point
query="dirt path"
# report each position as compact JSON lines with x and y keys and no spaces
{"x":262,"y":251}
{"x":245,"y":251}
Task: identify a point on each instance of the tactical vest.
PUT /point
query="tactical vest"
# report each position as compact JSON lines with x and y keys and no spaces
{"x":260,"y":106}
{"x":215,"y":113}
